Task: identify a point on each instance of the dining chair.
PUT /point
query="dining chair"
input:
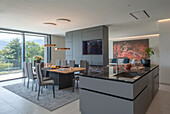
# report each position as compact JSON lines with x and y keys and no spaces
{"x":83,"y":64}
{"x":42,"y":82}
{"x":58,"y":62}
{"x":71,"y":63}
{"x":25,"y":72}
{"x":41,"y":73}
{"x":32,"y":76}
{"x":64,"y":62}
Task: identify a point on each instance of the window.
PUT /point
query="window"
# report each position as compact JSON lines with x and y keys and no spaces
{"x":12,"y":51}
{"x":33,"y":46}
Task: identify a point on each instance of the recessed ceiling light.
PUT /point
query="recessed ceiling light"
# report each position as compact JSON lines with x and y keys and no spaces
{"x":63,"y":20}
{"x":49,"y":23}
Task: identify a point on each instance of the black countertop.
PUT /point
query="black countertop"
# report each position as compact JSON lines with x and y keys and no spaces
{"x":109,"y":73}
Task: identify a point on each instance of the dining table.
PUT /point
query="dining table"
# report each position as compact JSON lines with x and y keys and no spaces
{"x":63,"y":77}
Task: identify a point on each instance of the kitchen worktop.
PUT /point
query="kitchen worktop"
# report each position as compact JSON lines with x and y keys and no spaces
{"x":132,"y":91}
{"x":109,"y":73}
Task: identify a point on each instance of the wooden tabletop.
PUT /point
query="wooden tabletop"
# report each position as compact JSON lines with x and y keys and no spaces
{"x":66,"y":71}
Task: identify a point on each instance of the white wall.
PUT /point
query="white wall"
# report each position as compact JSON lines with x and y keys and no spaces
{"x":164,"y":44}
{"x":154,"y":44}
{"x":110,"y":48}
{"x":136,"y":28}
{"x":57,"y":54}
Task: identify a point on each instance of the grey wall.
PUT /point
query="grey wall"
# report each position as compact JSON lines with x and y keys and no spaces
{"x":57,"y":54}
{"x":74,"y":42}
{"x":164,"y":44}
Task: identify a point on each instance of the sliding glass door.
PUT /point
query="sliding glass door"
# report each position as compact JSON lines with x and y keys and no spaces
{"x":10,"y":52}
{"x":17,"y":47}
{"x":33,"y":46}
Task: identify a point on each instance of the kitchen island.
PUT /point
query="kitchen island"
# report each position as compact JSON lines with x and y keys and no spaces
{"x":128,"y":92}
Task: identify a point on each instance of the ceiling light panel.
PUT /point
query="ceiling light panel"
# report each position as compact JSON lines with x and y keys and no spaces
{"x":140,"y":14}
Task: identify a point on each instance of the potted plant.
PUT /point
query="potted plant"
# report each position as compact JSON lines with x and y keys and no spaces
{"x":148,"y":53}
{"x":37,"y":59}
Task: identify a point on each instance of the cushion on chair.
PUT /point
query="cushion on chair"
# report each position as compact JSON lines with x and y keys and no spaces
{"x":133,"y":61}
{"x":120,"y":61}
{"x":126,"y":60}
{"x":46,"y":78}
{"x":48,"y":82}
{"x":76,"y":65}
{"x":114,"y":60}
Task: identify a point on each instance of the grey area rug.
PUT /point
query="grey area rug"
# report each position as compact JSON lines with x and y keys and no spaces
{"x":46,"y":100}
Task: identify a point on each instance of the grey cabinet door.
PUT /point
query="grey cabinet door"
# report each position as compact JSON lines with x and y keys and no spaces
{"x":88,"y":58}
{"x":69,"y":45}
{"x":69,"y":37}
{"x":156,"y":85}
{"x":74,"y":40}
{"x":77,"y":46}
{"x":95,"y":103}
{"x":92,"y":35}
{"x":97,"y":59}
{"x":150,"y":87}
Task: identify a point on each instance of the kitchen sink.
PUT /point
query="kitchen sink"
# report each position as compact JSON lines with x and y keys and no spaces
{"x":128,"y":74}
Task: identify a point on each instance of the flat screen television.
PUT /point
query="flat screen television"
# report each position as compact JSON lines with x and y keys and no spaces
{"x":92,"y":47}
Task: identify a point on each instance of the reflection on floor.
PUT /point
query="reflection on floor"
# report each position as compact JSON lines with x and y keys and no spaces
{"x":11,"y":76}
{"x":11,"y":103}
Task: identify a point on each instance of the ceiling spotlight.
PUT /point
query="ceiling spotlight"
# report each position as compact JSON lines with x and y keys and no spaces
{"x":49,"y":23}
{"x":63,"y":20}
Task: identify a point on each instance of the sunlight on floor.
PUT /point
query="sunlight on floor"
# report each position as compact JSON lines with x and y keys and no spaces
{"x":11,"y":76}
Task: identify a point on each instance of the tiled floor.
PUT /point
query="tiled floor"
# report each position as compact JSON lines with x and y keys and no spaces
{"x":11,"y":103}
{"x":11,"y":76}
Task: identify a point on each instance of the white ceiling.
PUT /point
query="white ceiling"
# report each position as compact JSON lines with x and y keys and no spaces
{"x":30,"y":14}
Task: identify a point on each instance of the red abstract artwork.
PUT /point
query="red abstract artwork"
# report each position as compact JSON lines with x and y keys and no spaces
{"x":133,"y":49}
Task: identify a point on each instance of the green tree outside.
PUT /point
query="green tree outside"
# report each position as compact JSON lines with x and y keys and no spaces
{"x":12,"y":52}
{"x":32,"y":49}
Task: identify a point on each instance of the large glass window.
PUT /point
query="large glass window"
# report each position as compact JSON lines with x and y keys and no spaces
{"x":12,"y":51}
{"x":33,"y":46}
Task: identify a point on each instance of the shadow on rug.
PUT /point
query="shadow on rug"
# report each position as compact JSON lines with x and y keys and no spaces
{"x":46,"y":100}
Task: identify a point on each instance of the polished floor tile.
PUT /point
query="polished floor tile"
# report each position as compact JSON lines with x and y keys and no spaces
{"x":4,"y":77}
{"x":11,"y":103}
